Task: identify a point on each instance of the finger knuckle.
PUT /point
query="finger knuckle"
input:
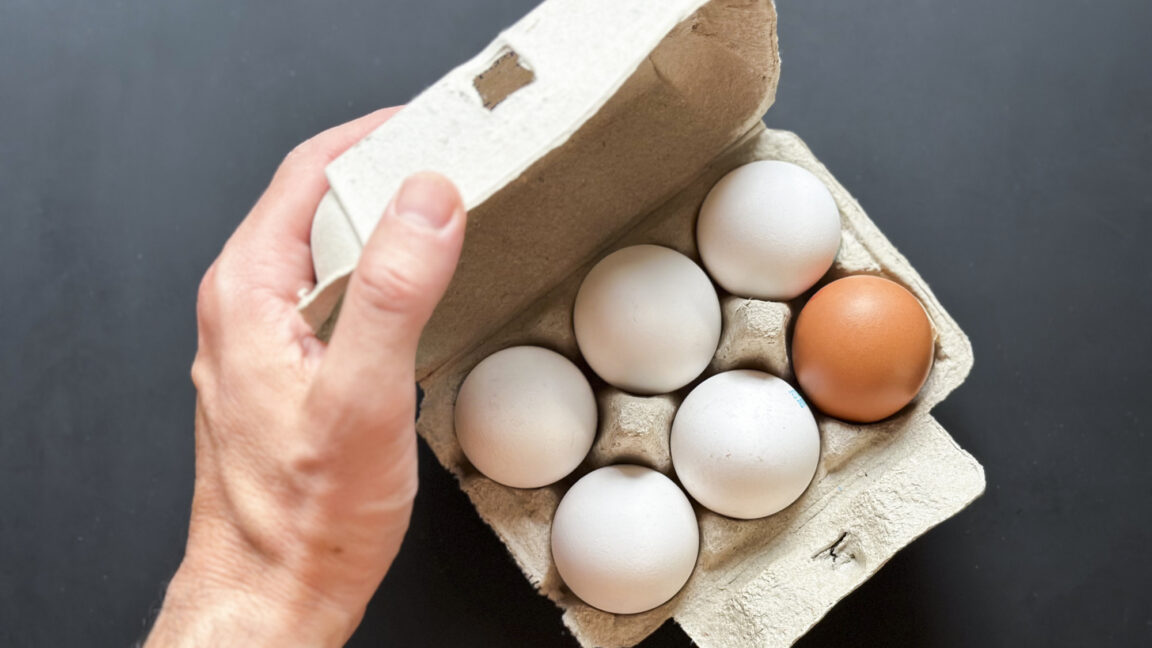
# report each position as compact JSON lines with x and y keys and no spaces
{"x":311,"y":461}
{"x":312,"y":151}
{"x":388,"y":287}
{"x":327,"y":404}
{"x":206,"y":291}
{"x":223,"y":285}
{"x":208,"y":299}
{"x":201,"y":373}
{"x":340,"y":406}
{"x":302,"y":151}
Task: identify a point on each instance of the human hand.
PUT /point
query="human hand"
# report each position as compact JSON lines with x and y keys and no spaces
{"x":306,"y":452}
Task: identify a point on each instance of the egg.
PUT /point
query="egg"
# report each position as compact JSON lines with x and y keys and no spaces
{"x":647,"y":319}
{"x":745,"y":444}
{"x":335,"y":245}
{"x":525,"y":416}
{"x":862,"y":348}
{"x":625,"y":539}
{"x":768,"y":230}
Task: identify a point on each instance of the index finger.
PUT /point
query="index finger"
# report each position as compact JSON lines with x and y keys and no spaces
{"x":272,"y":243}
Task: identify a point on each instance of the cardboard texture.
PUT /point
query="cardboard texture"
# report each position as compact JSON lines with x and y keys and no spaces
{"x":615,"y":121}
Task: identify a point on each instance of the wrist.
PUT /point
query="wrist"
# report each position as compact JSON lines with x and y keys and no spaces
{"x":205,"y":606}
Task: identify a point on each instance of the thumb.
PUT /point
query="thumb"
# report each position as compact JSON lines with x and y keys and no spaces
{"x":403,"y":271}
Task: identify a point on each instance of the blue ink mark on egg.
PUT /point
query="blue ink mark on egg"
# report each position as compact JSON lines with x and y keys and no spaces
{"x":796,"y":397}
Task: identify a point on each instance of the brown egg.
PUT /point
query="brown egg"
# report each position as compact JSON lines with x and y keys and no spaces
{"x":862,"y":348}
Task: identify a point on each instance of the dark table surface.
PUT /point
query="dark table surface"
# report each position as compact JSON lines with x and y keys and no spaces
{"x":1004,"y":147}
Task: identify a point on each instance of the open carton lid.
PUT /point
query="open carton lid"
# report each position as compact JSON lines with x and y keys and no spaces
{"x":560,"y":135}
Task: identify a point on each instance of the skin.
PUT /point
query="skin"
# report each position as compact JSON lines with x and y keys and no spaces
{"x":306,"y":451}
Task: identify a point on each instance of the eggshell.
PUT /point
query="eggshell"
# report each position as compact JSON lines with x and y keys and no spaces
{"x":625,"y":539}
{"x":745,"y":444}
{"x":862,"y":348}
{"x":334,"y":244}
{"x":525,"y":416}
{"x":768,"y":230}
{"x":647,"y":319}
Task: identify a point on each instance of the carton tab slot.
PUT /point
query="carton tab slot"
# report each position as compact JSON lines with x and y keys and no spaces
{"x":505,"y":76}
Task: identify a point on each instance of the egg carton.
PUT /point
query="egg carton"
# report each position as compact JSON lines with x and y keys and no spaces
{"x":589,"y":126}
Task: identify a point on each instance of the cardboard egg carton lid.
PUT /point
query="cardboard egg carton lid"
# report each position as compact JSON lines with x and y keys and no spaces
{"x":621,"y":104}
{"x":593,"y":124}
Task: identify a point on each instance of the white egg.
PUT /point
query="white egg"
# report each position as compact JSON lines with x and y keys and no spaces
{"x":335,"y":246}
{"x":768,"y":230}
{"x":525,"y":416}
{"x":745,"y":444}
{"x":647,"y":319}
{"x":625,"y":539}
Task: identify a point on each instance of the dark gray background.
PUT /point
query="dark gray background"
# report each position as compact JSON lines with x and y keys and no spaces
{"x":1004,"y":147}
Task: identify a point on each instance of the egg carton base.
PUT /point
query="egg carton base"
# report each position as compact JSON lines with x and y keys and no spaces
{"x":757,"y":582}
